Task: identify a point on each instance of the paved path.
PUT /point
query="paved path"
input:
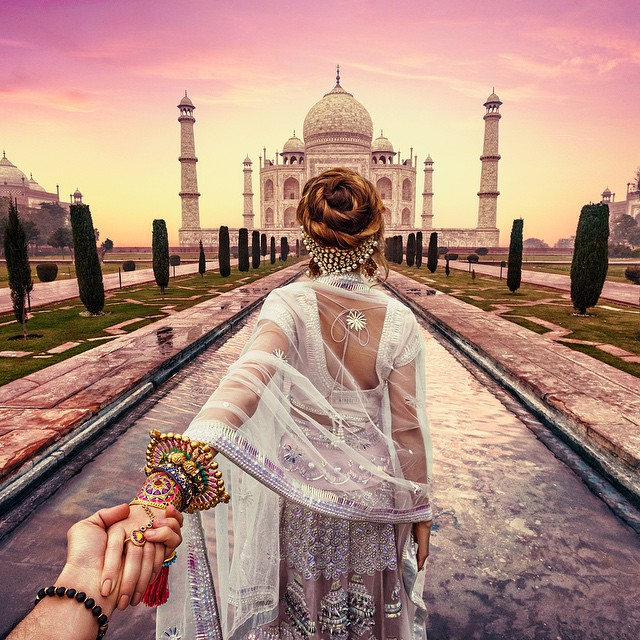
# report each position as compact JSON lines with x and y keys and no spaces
{"x":521,"y":549}
{"x":48,"y":292}
{"x":614,"y":291}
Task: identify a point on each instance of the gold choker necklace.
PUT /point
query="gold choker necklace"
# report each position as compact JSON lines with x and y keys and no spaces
{"x":332,"y":260}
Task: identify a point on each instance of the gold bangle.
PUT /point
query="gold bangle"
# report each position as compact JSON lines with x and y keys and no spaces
{"x":188,"y":463}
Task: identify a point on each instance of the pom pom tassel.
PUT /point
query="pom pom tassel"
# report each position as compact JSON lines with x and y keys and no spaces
{"x":157,"y":592}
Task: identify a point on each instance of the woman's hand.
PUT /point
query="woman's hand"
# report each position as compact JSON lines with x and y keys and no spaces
{"x":138,"y":566}
{"x":422,"y":534}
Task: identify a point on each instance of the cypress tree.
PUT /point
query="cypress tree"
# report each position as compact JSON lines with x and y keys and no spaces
{"x":284,"y":248}
{"x":224,"y":252}
{"x":411,"y":249}
{"x":297,"y":248}
{"x":418,"y":249}
{"x":399,"y":250}
{"x":17,"y":258}
{"x":514,"y":271}
{"x":243,"y":249}
{"x":432,"y":252}
{"x":202,"y":261}
{"x":87,"y":261}
{"x":263,"y":245}
{"x":273,"y":250}
{"x":447,"y":269}
{"x":160,"y":254}
{"x":255,"y":249}
{"x":590,"y":256}
{"x":388,"y":249}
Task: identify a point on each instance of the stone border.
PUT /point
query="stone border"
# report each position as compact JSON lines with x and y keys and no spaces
{"x":48,"y":460}
{"x":620,"y":465}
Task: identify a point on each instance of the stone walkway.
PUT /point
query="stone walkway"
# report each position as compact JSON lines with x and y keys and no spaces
{"x":615,"y":291}
{"x":48,"y":292}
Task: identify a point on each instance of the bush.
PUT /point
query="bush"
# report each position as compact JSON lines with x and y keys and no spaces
{"x":432,"y":252}
{"x":482,"y":251}
{"x":243,"y":249}
{"x":47,"y":271}
{"x":474,"y":258}
{"x":88,"y":270}
{"x":514,"y":271}
{"x":160,"y":253}
{"x":411,"y":249}
{"x":174,"y":260}
{"x":630,"y":273}
{"x":284,"y":248}
{"x":255,"y":249}
{"x":590,"y":256}
{"x":442,"y":250}
{"x":224,"y":252}
{"x":451,"y":256}
{"x":128,"y":265}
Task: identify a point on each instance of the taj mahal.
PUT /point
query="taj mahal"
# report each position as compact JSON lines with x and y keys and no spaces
{"x":338,"y":132}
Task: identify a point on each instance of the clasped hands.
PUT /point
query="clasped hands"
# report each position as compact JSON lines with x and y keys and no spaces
{"x":128,"y":568}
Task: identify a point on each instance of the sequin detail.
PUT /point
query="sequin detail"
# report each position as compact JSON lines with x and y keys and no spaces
{"x":333,"y":615}
{"x":316,"y":545}
{"x":297,"y":610}
{"x":362,"y":607}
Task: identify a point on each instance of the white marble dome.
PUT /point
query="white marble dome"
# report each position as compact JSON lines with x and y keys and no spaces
{"x":338,"y":119}
{"x":10,"y":174}
{"x":293,"y":145}
{"x":382,"y":144}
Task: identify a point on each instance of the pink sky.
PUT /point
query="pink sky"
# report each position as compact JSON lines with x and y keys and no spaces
{"x":88,"y":95}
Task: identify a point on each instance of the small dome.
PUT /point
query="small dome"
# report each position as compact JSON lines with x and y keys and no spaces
{"x":293,"y":145}
{"x":429,"y":159}
{"x":9,"y":173}
{"x":77,"y":194}
{"x":492,"y":99}
{"x":338,"y":119}
{"x":382,"y":144}
{"x":606,"y":192}
{"x":34,"y":186}
{"x":186,"y":101}
{"x":247,"y":160}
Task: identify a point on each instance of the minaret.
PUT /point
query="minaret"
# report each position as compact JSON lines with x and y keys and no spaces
{"x":189,"y":177}
{"x":427,"y":195}
{"x":488,"y":194}
{"x":247,"y":215}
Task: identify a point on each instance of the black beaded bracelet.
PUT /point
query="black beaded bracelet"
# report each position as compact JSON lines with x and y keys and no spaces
{"x":81,"y":598}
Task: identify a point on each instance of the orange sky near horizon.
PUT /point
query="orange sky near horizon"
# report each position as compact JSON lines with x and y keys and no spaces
{"x":89,"y":93}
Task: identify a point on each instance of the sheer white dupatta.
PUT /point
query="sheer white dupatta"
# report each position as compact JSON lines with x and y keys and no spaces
{"x":324,"y":408}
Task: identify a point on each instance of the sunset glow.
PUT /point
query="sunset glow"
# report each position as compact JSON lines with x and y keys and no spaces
{"x":88,"y":95}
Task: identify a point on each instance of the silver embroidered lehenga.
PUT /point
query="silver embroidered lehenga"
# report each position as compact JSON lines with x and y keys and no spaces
{"x":325,"y":450}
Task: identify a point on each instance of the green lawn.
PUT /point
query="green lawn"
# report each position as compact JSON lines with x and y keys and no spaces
{"x":609,"y":322}
{"x":62,"y":322}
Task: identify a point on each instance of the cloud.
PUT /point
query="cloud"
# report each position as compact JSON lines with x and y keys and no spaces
{"x":71,"y":100}
{"x":16,"y":44}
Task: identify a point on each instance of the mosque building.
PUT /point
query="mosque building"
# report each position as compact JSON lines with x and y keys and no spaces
{"x":338,"y":132}
{"x":26,"y":192}
{"x":630,"y":206}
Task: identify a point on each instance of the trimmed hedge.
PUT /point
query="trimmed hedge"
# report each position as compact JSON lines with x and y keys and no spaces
{"x":128,"y":265}
{"x":174,"y":260}
{"x":47,"y":271}
{"x":633,"y":274}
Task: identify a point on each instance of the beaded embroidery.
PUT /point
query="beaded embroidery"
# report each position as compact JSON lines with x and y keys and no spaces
{"x":333,"y":615}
